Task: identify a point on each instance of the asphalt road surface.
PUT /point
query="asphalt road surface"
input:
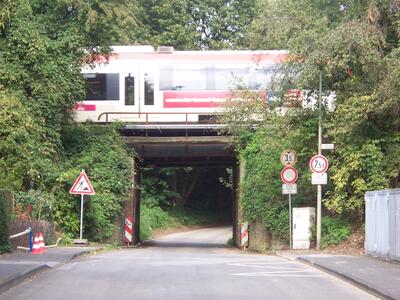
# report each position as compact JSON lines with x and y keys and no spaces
{"x":190,"y":265}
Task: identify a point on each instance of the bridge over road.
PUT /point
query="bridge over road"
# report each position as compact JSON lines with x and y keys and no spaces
{"x":181,"y":145}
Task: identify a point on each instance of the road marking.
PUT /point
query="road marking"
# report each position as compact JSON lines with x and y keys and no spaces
{"x":267,"y":274}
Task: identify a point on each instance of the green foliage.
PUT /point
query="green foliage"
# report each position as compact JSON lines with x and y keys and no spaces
{"x":5,"y":212}
{"x":107,"y":162}
{"x":26,"y":155}
{"x":262,"y":198}
{"x":41,"y":202}
{"x":151,"y":218}
{"x":334,"y":231}
{"x":195,"y":24}
{"x":156,"y":188}
{"x":356,"y":46}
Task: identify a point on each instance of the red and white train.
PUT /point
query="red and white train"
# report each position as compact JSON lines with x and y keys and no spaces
{"x":143,"y":85}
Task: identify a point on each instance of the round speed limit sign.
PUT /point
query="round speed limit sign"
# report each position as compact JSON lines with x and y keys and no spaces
{"x":319,"y":164}
{"x":288,"y":157}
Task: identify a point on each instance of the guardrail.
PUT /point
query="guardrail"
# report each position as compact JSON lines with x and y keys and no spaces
{"x":27,"y":231}
{"x":148,"y":114}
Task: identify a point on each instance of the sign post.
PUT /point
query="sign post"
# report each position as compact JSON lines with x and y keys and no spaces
{"x":289,"y":177}
{"x":319,"y":164}
{"x":82,"y":187}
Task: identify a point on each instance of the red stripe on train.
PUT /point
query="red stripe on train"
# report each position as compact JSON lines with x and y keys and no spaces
{"x":179,"y":99}
{"x":84,"y":107}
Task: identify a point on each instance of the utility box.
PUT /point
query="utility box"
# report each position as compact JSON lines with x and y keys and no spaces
{"x":303,"y":220}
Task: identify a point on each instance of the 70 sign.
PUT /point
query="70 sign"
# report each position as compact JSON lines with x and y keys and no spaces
{"x":318,"y":164}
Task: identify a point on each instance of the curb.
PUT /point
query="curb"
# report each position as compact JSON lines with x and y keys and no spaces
{"x":21,"y":276}
{"x":346,"y":278}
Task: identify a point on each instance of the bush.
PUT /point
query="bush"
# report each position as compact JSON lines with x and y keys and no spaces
{"x":5,"y":211}
{"x":152,"y":218}
{"x":334,"y":230}
{"x":107,"y":161}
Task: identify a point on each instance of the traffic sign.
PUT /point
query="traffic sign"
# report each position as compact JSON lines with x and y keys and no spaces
{"x":319,"y":178}
{"x":289,"y":189}
{"x":289,"y":175}
{"x":318,"y":164}
{"x":327,"y":146}
{"x":288,"y":157}
{"x":82,"y":185}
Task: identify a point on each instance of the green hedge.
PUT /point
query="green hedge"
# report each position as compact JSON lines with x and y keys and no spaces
{"x":5,"y":212}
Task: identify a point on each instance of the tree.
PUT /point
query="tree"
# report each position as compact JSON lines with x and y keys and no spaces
{"x":354,"y":44}
{"x":195,"y":24}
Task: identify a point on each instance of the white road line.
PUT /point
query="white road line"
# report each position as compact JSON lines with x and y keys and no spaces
{"x":276,"y":275}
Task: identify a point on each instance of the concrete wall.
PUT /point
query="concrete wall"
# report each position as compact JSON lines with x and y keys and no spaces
{"x":238,"y":176}
{"x":261,"y":240}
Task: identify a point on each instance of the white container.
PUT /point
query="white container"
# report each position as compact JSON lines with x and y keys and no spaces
{"x":382,"y":223}
{"x":303,"y":220}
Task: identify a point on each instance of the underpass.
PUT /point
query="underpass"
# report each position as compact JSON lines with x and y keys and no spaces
{"x":181,"y":145}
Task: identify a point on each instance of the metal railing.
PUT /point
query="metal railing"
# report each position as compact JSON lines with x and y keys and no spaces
{"x":148,"y":114}
{"x":27,"y":231}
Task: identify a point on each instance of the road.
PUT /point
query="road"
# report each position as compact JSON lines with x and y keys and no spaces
{"x":189,"y":265}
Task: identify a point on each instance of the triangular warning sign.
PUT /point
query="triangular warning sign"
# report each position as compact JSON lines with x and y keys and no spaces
{"x":82,"y":186}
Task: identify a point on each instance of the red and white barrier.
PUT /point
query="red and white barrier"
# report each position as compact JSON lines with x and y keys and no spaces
{"x":128,"y":229}
{"x":244,"y":234}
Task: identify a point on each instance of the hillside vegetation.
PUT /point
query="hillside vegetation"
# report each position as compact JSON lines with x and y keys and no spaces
{"x":355,"y":44}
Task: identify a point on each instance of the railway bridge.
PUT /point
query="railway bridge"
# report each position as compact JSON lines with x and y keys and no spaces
{"x":183,"y":144}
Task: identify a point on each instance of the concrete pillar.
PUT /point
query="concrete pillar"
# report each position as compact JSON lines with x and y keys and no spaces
{"x":239,"y":173}
{"x":129,"y":204}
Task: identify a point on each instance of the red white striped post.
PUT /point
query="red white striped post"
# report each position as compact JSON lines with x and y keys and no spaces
{"x":128,"y":230}
{"x":244,"y":234}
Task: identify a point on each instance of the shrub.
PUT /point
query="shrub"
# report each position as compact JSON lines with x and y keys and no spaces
{"x":5,"y":212}
{"x":152,"y":218}
{"x":334,"y":230}
{"x":107,"y":161}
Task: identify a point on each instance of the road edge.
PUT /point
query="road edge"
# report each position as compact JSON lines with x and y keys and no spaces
{"x":346,"y":278}
{"x":23,"y":275}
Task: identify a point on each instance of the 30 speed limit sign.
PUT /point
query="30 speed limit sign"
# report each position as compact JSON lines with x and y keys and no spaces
{"x":319,"y":164}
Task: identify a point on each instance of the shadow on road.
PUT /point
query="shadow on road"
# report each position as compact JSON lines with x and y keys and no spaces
{"x":175,"y":244}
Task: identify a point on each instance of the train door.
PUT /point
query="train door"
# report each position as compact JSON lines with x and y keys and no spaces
{"x":149,"y":98}
{"x":130,"y":93}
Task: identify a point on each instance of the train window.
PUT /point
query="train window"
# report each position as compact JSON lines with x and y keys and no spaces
{"x":148,"y":90}
{"x":183,"y":77}
{"x":101,"y":86}
{"x":214,"y":77}
{"x":231,"y":77}
{"x":260,"y":76}
{"x":129,"y":90}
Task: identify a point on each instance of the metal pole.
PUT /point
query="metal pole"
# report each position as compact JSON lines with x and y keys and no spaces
{"x":290,"y":221}
{"x":30,"y":239}
{"x":80,"y":233}
{"x":319,"y":188}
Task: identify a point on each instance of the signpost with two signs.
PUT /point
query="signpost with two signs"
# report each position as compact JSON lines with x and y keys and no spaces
{"x":289,"y":176}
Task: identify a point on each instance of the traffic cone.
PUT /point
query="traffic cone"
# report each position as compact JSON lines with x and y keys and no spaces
{"x":36,"y":247}
{"x":41,"y":243}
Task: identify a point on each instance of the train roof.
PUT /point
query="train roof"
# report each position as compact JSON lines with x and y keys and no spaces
{"x":168,"y":53}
